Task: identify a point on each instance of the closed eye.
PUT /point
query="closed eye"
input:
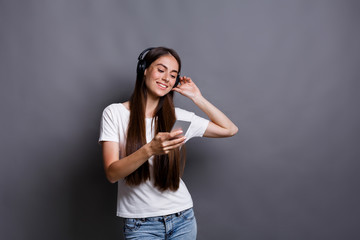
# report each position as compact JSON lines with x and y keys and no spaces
{"x":165,"y":67}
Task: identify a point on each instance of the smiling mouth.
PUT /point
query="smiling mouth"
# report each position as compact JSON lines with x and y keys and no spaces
{"x":162,"y":86}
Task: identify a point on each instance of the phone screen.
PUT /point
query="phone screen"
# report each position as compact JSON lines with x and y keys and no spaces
{"x":180,"y":124}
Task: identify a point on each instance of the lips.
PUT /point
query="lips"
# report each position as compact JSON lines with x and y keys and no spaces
{"x":161,"y":85}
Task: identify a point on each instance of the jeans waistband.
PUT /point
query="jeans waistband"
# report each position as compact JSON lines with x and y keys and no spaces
{"x":161,"y":218}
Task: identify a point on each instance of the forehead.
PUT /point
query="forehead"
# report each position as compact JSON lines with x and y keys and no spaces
{"x":168,"y":61}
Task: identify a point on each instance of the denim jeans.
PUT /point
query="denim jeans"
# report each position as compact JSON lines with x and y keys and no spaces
{"x":179,"y":226}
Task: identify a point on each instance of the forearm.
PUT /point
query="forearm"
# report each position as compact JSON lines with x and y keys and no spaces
{"x":116,"y":168}
{"x":125,"y":166}
{"x":227,"y":127}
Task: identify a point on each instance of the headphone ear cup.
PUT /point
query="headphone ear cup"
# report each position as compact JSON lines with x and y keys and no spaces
{"x":177,"y":81}
{"x":141,"y":67}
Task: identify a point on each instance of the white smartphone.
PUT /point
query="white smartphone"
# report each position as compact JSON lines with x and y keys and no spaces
{"x":180,"y":124}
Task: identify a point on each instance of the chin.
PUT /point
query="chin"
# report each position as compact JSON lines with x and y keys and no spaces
{"x":162,"y":93}
{"x":159,"y":94}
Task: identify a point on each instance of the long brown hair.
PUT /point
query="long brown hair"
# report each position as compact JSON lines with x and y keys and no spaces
{"x":167,"y":168}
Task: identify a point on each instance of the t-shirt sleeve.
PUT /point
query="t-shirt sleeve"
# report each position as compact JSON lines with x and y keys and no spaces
{"x":198,"y":125}
{"x":108,"y":127}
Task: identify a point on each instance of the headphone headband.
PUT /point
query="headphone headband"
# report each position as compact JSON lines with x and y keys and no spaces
{"x":143,"y":52}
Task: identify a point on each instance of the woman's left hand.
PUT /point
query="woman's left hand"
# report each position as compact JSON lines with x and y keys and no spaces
{"x":220,"y":125}
{"x":187,"y":88}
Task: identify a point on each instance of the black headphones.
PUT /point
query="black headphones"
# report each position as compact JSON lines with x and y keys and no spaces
{"x":141,"y":66}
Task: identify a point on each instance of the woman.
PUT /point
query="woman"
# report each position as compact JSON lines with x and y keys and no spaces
{"x":145,"y":157}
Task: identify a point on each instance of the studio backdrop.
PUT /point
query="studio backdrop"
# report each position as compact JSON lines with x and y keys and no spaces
{"x":286,"y":72}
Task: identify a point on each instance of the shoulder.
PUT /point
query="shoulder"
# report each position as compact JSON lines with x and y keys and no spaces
{"x":115,"y":109}
{"x":182,"y":114}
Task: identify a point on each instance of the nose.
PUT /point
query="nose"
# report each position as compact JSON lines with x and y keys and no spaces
{"x":166,"y":78}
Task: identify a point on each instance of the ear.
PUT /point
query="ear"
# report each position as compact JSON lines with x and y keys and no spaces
{"x":145,"y":72}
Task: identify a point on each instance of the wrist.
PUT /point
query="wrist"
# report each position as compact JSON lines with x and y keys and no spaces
{"x":148,"y":151}
{"x":197,"y":99}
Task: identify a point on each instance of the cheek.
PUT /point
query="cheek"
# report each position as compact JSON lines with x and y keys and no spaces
{"x":172,"y":82}
{"x":148,"y":82}
{"x":156,"y":75}
{"x":150,"y":77}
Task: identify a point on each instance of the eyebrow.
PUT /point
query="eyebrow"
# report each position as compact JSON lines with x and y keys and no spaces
{"x":166,"y":67}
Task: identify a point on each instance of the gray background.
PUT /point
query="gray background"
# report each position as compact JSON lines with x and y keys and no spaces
{"x":286,"y":72}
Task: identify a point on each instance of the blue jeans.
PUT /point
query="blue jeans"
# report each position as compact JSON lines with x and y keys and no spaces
{"x":179,"y":226}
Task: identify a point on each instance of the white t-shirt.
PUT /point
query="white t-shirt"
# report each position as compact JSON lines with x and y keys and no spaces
{"x":145,"y":200}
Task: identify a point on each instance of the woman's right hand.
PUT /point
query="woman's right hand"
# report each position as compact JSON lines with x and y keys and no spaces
{"x":116,"y":168}
{"x":164,"y":142}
